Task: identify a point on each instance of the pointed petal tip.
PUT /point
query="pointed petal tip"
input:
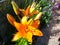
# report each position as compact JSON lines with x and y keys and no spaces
{"x":14,"y":40}
{"x":41,"y":34}
{"x":12,"y":2}
{"x":16,"y":36}
{"x":7,"y":14}
{"x":38,"y":16}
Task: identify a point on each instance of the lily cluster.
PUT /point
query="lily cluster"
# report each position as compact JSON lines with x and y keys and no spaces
{"x":29,"y":23}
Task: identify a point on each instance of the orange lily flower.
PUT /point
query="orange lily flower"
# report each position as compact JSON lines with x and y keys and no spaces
{"x":30,"y":10}
{"x":26,"y":28}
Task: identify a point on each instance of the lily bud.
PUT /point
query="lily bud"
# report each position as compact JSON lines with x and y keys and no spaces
{"x":10,"y":19}
{"x":38,"y":16}
{"x":15,"y":8}
{"x":32,"y":7}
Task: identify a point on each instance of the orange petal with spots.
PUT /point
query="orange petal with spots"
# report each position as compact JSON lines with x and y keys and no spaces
{"x":35,"y":23}
{"x":35,"y":31}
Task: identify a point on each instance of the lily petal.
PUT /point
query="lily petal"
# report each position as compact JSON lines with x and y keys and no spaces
{"x":20,"y":27}
{"x":22,"y":11}
{"x":24,"y":20}
{"x":30,"y":21}
{"x":10,"y":19}
{"x":35,"y":31}
{"x":25,"y":12}
{"x":17,"y":36}
{"x":35,"y":23}
{"x":34,"y":12}
{"x":28,"y":36}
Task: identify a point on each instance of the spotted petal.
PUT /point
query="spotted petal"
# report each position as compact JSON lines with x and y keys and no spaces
{"x":35,"y":31}
{"x":35,"y":23}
